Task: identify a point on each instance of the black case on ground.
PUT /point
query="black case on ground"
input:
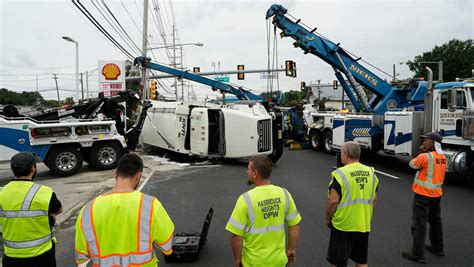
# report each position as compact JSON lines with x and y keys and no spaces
{"x":186,"y":246}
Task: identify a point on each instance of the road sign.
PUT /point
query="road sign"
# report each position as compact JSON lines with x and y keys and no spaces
{"x":222,"y":79}
{"x":266,"y":75}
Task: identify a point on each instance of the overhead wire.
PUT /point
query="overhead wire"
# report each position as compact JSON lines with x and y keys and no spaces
{"x":108,"y":20}
{"x":91,"y":18}
{"x":119,"y":24}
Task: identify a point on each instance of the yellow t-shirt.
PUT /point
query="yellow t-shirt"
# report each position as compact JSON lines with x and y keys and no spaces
{"x":264,"y":240}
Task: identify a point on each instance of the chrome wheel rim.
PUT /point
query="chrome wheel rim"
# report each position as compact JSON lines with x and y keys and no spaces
{"x":66,"y":161}
{"x":107,"y":156}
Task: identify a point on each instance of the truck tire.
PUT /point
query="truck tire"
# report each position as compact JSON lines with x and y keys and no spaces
{"x":327,"y":142}
{"x":276,"y":155}
{"x":315,"y":140}
{"x":64,"y":160}
{"x":105,"y":155}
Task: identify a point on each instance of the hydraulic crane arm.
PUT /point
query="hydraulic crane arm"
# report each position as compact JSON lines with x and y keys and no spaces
{"x":338,"y":58}
{"x":241,"y":93}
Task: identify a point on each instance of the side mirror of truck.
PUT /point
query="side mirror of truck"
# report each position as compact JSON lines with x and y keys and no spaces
{"x":452,"y":99}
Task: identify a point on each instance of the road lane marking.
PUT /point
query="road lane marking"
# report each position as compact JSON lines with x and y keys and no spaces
{"x":380,"y":172}
{"x":388,"y":175}
{"x":145,"y":181}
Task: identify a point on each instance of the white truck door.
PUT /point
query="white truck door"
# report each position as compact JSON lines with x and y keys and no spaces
{"x":199,"y":131}
{"x":403,"y":130}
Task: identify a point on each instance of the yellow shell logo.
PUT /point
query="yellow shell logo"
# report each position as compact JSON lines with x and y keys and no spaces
{"x":111,"y":71}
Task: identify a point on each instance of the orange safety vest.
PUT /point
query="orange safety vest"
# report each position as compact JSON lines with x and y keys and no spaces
{"x":430,"y":177}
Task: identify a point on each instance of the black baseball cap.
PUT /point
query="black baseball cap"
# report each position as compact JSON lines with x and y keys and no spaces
{"x":23,"y":160}
{"x":433,"y":136}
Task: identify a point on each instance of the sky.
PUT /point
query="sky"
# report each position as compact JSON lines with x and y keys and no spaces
{"x":383,"y":32}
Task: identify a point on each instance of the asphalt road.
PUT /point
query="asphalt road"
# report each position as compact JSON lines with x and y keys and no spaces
{"x":187,"y":195}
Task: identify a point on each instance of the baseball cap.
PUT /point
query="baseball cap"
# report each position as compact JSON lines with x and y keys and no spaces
{"x":433,"y":136}
{"x":23,"y":160}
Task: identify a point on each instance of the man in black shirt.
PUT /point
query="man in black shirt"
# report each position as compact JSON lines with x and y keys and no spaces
{"x":27,"y":209}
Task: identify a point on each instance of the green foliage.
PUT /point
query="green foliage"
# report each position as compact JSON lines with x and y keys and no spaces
{"x":457,"y":57}
{"x":29,"y":99}
{"x":23,"y":98}
{"x":68,"y":101}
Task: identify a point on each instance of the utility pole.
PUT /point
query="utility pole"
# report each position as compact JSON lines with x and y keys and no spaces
{"x":57,"y":89}
{"x":82,"y":89}
{"x":144,"y":48}
{"x":182,"y":68}
{"x":343,"y":104}
{"x":87,"y":84}
{"x":174,"y":63}
{"x":37,"y":83}
{"x":319,"y":89}
{"x":394,"y":73}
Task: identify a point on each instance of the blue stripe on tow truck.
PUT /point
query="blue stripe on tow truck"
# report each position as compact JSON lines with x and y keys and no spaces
{"x":9,"y":137}
{"x":337,"y":123}
{"x":359,"y":123}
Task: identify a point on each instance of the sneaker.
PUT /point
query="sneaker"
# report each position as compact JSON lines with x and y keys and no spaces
{"x":409,"y":255}
{"x":430,"y":249}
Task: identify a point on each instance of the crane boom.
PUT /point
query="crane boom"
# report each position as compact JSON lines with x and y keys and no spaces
{"x":240,"y":92}
{"x":385,"y":97}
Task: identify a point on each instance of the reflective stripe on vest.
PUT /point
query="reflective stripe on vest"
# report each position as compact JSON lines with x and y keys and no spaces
{"x":261,"y":230}
{"x":145,"y":252}
{"x":29,"y":196}
{"x":429,"y":175}
{"x":27,"y":244}
{"x":350,"y":201}
{"x":26,"y":213}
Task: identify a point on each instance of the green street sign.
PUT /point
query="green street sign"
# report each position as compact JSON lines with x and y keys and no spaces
{"x":222,"y":79}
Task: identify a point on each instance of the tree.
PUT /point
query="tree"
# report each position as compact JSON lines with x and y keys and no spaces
{"x":457,"y":57}
{"x":68,"y":101}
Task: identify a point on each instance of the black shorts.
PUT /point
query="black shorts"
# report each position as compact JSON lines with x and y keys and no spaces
{"x":46,"y":259}
{"x":345,"y":245}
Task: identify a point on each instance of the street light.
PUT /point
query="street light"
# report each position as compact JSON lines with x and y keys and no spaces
{"x":440,"y":67}
{"x":181,"y":62}
{"x":77,"y":64}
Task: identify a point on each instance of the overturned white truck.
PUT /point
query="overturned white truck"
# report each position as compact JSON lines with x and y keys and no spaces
{"x":235,"y":130}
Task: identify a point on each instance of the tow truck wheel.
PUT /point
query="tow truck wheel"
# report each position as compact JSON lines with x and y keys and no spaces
{"x":105,"y":155}
{"x":327,"y":141}
{"x":315,"y":140}
{"x":64,"y":161}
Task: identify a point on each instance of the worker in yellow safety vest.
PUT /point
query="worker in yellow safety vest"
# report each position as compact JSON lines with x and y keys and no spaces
{"x":257,"y":224}
{"x":119,"y":228}
{"x":27,"y":215}
{"x":351,"y":200}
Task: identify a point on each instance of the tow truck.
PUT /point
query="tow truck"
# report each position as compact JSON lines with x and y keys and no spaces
{"x":64,"y":138}
{"x":387,"y":121}
{"x":236,"y":130}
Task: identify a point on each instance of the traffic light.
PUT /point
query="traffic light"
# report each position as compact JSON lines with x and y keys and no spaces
{"x":334,"y":85}
{"x":303,"y":86}
{"x":240,"y":76}
{"x":196,"y":69}
{"x":290,"y":68}
{"x":153,"y":92}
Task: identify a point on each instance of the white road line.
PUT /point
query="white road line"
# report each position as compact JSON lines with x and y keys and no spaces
{"x":388,"y":175}
{"x":145,"y":181}
{"x":383,"y":173}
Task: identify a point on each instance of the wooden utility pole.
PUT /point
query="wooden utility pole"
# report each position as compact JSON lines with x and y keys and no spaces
{"x":57,"y":89}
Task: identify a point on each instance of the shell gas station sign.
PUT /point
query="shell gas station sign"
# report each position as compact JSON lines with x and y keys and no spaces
{"x":111,"y":76}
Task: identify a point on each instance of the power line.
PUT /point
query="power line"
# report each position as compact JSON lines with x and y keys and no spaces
{"x":91,"y":18}
{"x":120,"y":25}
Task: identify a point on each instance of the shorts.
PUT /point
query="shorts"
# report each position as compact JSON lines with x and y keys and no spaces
{"x":345,"y":245}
